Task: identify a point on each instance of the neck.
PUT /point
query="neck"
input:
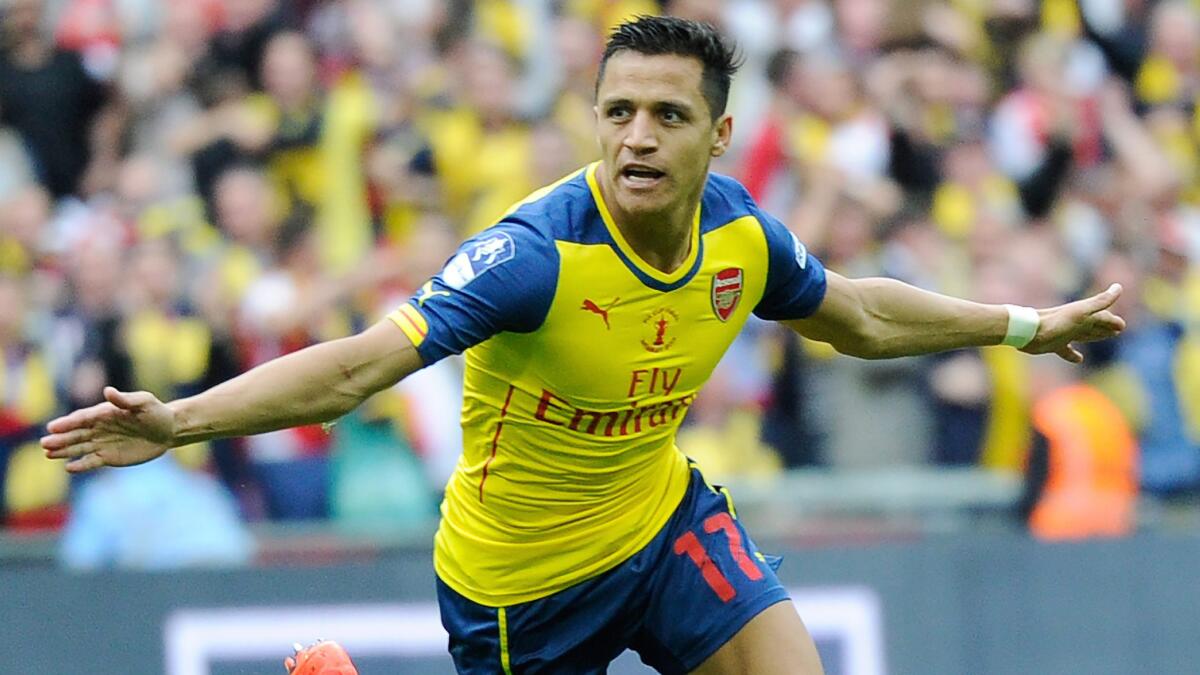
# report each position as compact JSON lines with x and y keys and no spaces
{"x":664,"y":239}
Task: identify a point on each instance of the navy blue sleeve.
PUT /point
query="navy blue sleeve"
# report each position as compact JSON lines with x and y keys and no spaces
{"x":502,"y":279}
{"x":795,"y":278}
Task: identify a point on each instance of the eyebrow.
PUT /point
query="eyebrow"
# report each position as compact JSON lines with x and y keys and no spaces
{"x":682,"y":106}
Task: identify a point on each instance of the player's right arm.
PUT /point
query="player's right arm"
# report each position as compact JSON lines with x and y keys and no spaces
{"x":313,"y":385}
{"x":501,"y":280}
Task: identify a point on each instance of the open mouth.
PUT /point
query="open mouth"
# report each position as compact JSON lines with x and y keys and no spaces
{"x":641,"y":176}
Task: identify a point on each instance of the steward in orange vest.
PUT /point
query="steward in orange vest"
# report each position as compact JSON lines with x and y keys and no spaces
{"x":1082,"y":467}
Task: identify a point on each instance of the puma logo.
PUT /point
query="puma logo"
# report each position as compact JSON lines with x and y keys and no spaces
{"x":592,"y":307}
{"x":427,"y":292}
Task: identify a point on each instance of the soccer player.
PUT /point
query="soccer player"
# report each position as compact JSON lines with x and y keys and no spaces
{"x":591,"y":315}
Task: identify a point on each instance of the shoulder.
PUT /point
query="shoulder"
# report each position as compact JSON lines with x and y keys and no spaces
{"x":733,"y":201}
{"x":514,"y":245}
{"x":726,"y":200}
{"x":526,"y":235}
{"x":560,"y":210}
{"x":727,"y":187}
{"x":727,"y":192}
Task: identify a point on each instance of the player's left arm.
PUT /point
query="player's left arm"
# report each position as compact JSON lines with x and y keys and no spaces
{"x":877,"y":318}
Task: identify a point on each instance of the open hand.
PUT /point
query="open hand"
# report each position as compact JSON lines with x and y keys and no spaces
{"x":127,"y":428}
{"x":1085,"y":320}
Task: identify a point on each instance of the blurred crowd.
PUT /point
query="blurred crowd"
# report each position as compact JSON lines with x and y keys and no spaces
{"x":191,"y":187}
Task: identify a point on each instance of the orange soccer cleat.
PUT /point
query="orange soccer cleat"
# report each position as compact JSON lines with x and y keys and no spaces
{"x":320,"y":658}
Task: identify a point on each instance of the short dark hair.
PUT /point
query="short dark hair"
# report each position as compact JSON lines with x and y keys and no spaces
{"x":656,"y":35}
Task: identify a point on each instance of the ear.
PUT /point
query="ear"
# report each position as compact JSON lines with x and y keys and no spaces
{"x":722,"y":134}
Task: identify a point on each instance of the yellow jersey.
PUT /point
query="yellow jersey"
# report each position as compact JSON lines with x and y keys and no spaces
{"x":581,"y":362}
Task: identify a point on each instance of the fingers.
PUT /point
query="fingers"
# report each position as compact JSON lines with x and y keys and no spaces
{"x":1104,"y":300}
{"x":1109,"y":320}
{"x":63,"y":441}
{"x":72,"y":451}
{"x":1085,"y":320}
{"x":1070,"y":354}
{"x":117,"y":401}
{"x":127,"y":400}
{"x":85,"y":463}
{"x":82,"y":418}
{"x":1100,"y":326}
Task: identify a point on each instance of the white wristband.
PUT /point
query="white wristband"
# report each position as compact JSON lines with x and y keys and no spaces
{"x":1023,"y":325}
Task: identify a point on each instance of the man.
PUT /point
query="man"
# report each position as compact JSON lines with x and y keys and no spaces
{"x":70,"y":123}
{"x":591,"y":315}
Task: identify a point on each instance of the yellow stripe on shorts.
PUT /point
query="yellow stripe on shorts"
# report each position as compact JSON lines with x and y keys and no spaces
{"x":502,"y":617}
{"x":412,"y":322}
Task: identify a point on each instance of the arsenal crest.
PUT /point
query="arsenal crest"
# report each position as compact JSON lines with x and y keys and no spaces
{"x":726,"y":291}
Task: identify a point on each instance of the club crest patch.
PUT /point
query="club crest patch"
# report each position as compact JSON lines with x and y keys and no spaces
{"x":726,"y":291}
{"x":478,"y":257}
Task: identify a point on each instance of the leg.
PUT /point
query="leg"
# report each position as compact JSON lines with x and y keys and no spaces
{"x":773,"y":643}
{"x":717,"y":607}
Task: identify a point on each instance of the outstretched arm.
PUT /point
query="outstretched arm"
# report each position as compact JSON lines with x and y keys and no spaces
{"x":884,"y":318}
{"x":317,"y":384}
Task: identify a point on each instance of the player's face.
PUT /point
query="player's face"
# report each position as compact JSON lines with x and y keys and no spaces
{"x":656,"y":134}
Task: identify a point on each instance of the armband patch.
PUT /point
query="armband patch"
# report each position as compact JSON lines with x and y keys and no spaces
{"x":477,"y":258}
{"x":800,"y":251}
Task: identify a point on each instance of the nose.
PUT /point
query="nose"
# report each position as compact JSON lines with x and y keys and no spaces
{"x":641,"y":136}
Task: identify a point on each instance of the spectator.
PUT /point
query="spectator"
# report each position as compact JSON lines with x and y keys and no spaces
{"x":87,"y":342}
{"x":481,"y":151}
{"x":284,"y":310}
{"x":155,"y":516}
{"x":247,"y":27}
{"x":841,"y":130}
{"x":1081,"y":478}
{"x":167,"y":343}
{"x":291,"y":305}
{"x":70,"y":122}
{"x":33,"y":491}
{"x":1170,"y":72}
{"x":25,"y":236}
{"x":1160,"y":354}
{"x":1049,"y":122}
{"x":578,"y":47}
{"x":765,"y":169}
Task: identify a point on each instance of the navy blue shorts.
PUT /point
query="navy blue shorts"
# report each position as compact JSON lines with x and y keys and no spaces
{"x":675,"y":602}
